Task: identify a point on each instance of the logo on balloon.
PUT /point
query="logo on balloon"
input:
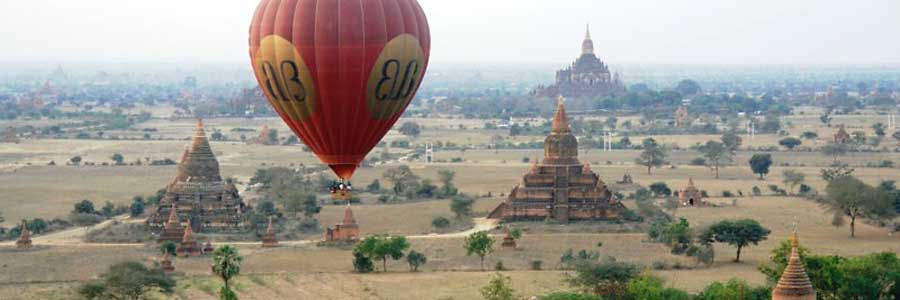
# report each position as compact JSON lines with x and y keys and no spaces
{"x":395,"y":77}
{"x":285,"y":78}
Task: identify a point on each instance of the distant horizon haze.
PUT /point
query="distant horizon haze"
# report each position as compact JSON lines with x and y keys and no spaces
{"x":496,"y":32}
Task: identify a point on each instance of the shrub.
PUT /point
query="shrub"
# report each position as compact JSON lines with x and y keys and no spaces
{"x":699,"y":161}
{"x":727,"y":194}
{"x":440,"y":222}
{"x":757,"y":191}
{"x":499,"y":266}
{"x":536,"y":265}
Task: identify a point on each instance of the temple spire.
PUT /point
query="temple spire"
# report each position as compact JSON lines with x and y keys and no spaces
{"x":587,"y":46}
{"x":560,"y":119}
{"x":348,"y":215}
{"x":794,"y":283}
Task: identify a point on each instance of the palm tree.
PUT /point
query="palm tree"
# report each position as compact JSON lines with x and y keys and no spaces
{"x":226,"y":264}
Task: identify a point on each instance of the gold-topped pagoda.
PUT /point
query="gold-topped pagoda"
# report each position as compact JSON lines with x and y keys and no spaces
{"x":198,"y":193}
{"x":587,"y":77}
{"x":794,"y":283}
{"x":560,"y":187}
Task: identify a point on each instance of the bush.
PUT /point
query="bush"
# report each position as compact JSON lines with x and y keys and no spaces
{"x":362,"y":263}
{"x":499,"y":266}
{"x":699,"y":161}
{"x":727,"y":194}
{"x":757,"y":191}
{"x":660,"y":189}
{"x":83,"y":219}
{"x":440,"y":222}
{"x":536,"y":265}
{"x":568,"y":296}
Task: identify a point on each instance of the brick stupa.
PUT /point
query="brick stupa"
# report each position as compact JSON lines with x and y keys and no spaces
{"x":172,"y":231}
{"x":269,"y":240}
{"x":794,"y":283}
{"x":208,"y":248}
{"x":199,"y":194}
{"x":560,"y":187}
{"x":690,"y":196}
{"x":24,"y":240}
{"x":189,"y":246}
{"x":347,"y":230}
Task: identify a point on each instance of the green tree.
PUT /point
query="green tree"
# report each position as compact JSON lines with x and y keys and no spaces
{"x":118,"y":159}
{"x":852,"y":198}
{"x":809,"y":135}
{"x":688,"y":87}
{"x":226,"y":263}
{"x":447,"y":187}
{"x":879,"y":129}
{"x":660,"y":189}
{"x":731,"y":140}
{"x":648,"y":287}
{"x":716,"y":154}
{"x":760,"y":164}
{"x":479,"y":243}
{"x":792,"y":178}
{"x":654,"y":155}
{"x":129,"y":280}
{"x":461,"y":205}
{"x":402,"y":178}
{"x":168,"y":247}
{"x":415,"y":260}
{"x":299,"y":201}
{"x":835,"y":150}
{"x":790,"y":142}
{"x":608,"y":279}
{"x":732,"y":290}
{"x":362,"y":263}
{"x":382,"y":247}
{"x":499,"y":288}
{"x":137,"y":207}
{"x":84,"y":207}
{"x":411,"y":129}
{"x":737,"y":233}
{"x":440,"y":222}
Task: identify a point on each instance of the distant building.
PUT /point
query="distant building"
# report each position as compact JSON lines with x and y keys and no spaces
{"x":794,"y":284}
{"x":690,"y":196}
{"x":264,"y":137}
{"x":587,"y":77}
{"x":347,"y":230}
{"x":269,"y":240}
{"x":560,"y":187}
{"x":10,"y":136}
{"x":841,"y":136}
{"x":24,"y":240}
{"x":681,"y":116}
{"x":198,"y":193}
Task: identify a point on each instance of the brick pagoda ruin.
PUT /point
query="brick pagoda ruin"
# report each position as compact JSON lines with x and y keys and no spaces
{"x":199,"y":195}
{"x":690,"y":196}
{"x":188,"y":245}
{"x":560,"y":187}
{"x":347,"y":230}
{"x":24,"y":240}
{"x":269,"y":240}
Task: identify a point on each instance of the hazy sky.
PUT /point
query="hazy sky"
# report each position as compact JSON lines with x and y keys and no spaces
{"x":479,"y":31}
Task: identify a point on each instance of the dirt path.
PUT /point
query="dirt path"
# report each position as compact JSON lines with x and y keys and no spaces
{"x":74,"y":236}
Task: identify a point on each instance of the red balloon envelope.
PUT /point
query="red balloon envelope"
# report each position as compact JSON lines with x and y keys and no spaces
{"x":339,"y":72}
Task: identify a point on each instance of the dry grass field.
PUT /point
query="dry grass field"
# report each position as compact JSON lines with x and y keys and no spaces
{"x":29,"y":188}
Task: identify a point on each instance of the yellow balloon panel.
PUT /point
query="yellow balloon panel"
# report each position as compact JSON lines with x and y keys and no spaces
{"x":285,"y":78}
{"x":395,"y":76}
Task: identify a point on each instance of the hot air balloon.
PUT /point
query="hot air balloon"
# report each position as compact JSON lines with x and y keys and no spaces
{"x":339,"y":72}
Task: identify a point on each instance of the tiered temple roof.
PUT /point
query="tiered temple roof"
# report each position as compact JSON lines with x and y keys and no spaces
{"x":587,"y":77}
{"x":794,"y":283}
{"x":172,"y":231}
{"x":199,"y":194}
{"x":560,"y":187}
